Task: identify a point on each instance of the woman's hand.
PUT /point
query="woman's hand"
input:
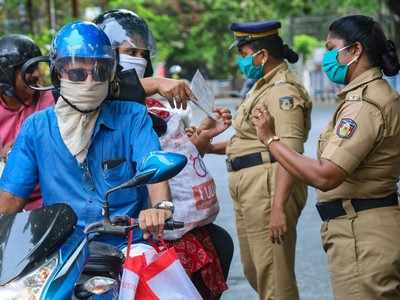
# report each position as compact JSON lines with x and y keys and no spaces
{"x":223,"y":119}
{"x":177,"y":92}
{"x":278,"y":225}
{"x":152,"y":221}
{"x":202,"y":137}
{"x":263,"y":122}
{"x":192,"y":130}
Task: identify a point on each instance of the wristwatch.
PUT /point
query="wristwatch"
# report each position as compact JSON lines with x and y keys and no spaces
{"x":272,"y":139}
{"x":165,"y":205}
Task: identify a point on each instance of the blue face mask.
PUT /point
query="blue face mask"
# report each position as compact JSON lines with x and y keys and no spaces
{"x":247,"y":67}
{"x":336,"y":71}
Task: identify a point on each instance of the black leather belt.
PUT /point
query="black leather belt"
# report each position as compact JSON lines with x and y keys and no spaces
{"x":333,"y":209}
{"x":247,"y":161}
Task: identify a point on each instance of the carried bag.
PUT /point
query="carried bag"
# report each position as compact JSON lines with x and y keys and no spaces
{"x":155,"y":275}
{"x":193,"y":190}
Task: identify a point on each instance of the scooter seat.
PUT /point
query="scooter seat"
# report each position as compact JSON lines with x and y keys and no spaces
{"x":104,"y":260}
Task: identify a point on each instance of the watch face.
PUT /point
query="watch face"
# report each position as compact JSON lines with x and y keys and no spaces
{"x":166,"y":204}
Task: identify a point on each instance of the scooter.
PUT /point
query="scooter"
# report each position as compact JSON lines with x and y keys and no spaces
{"x":44,"y":255}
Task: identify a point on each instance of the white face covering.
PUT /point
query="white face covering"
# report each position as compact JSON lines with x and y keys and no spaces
{"x":85,"y":95}
{"x":76,"y":128}
{"x":129,"y":62}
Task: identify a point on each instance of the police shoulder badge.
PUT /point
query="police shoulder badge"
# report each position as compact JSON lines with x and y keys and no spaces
{"x":286,"y":102}
{"x":346,"y":128}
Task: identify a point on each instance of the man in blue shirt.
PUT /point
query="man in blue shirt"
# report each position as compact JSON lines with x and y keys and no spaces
{"x":84,"y":145}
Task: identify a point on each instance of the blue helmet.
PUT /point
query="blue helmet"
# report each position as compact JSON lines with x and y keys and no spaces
{"x":81,"y":40}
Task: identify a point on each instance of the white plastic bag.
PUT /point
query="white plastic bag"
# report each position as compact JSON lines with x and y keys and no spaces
{"x":193,"y":189}
{"x":155,"y":276}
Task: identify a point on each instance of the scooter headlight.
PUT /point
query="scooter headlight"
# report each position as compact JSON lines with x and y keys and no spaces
{"x":30,"y":286}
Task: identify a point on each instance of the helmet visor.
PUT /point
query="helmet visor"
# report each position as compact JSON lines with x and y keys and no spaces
{"x":81,"y":69}
{"x":129,"y":32}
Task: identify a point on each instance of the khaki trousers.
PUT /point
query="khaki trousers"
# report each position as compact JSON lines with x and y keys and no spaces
{"x":268,"y":267}
{"x":364,"y":254}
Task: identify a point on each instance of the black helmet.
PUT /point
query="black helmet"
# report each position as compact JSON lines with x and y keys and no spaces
{"x":124,"y":27}
{"x":15,"y":50}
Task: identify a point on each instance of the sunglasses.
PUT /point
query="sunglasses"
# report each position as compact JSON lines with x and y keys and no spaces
{"x":99,"y":73}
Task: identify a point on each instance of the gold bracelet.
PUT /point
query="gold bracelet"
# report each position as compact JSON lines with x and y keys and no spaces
{"x":272,"y":139}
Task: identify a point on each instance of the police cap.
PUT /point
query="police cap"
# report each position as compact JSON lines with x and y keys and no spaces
{"x":250,"y":31}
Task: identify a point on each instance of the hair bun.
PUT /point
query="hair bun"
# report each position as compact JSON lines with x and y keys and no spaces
{"x":390,"y":61}
{"x":289,"y":54}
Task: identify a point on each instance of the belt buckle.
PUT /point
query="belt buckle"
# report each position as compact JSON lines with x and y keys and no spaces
{"x":229,"y":165}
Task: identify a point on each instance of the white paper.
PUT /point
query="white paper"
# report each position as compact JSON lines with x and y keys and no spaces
{"x":204,"y":96}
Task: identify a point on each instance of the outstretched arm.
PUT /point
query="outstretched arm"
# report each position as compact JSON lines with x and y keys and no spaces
{"x":322,"y":174}
{"x":176,"y":91}
{"x":201,"y":137}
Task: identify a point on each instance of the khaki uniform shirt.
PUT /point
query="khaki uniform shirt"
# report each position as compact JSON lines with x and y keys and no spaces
{"x":363,"y":139}
{"x":289,"y":104}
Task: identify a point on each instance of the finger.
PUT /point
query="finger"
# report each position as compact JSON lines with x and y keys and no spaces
{"x":154,"y":221}
{"x":142,"y":221}
{"x":176,"y":102}
{"x":148,"y":223}
{"x":254,"y":120}
{"x":280,"y":235}
{"x":276,"y":236}
{"x":273,"y":235}
{"x":190,"y":132}
{"x":256,"y":113}
{"x":188,"y":92}
{"x":257,"y":108}
{"x":143,"y":226}
{"x":170,"y":99}
{"x":161,"y":220}
{"x":183,"y":97}
{"x":227,"y":117}
{"x":273,"y":239}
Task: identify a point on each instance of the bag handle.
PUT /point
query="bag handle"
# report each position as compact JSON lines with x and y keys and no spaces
{"x":158,"y":248}
{"x":130,"y":238}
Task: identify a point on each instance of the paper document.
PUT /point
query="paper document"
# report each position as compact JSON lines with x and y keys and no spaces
{"x":203,"y":94}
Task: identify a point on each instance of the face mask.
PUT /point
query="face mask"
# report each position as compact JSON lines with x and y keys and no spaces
{"x":84,"y":96}
{"x":336,"y":71}
{"x":247,"y":67}
{"x":129,"y":62}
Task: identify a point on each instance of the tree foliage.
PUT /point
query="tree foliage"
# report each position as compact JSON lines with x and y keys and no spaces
{"x":305,"y":44}
{"x":192,"y":33}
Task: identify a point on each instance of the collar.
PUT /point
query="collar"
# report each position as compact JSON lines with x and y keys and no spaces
{"x":362,"y":79}
{"x":106,"y":117}
{"x":271,"y":74}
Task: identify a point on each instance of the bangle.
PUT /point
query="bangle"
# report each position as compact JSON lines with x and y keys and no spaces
{"x":272,"y":139}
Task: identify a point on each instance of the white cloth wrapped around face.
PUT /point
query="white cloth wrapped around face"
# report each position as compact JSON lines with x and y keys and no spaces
{"x":76,"y":128}
{"x":129,"y":62}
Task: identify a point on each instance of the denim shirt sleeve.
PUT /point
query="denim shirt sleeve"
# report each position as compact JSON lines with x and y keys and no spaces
{"x":143,"y":138}
{"x":20,"y":174}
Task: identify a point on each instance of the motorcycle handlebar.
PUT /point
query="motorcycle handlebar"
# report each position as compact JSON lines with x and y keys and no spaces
{"x":172,"y":224}
{"x":121,"y":225}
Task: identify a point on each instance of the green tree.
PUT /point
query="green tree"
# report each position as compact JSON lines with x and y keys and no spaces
{"x":192,"y":33}
{"x":305,"y":44}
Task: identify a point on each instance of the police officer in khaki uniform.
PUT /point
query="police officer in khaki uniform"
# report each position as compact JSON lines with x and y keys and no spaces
{"x":258,"y":186}
{"x":358,"y":165}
